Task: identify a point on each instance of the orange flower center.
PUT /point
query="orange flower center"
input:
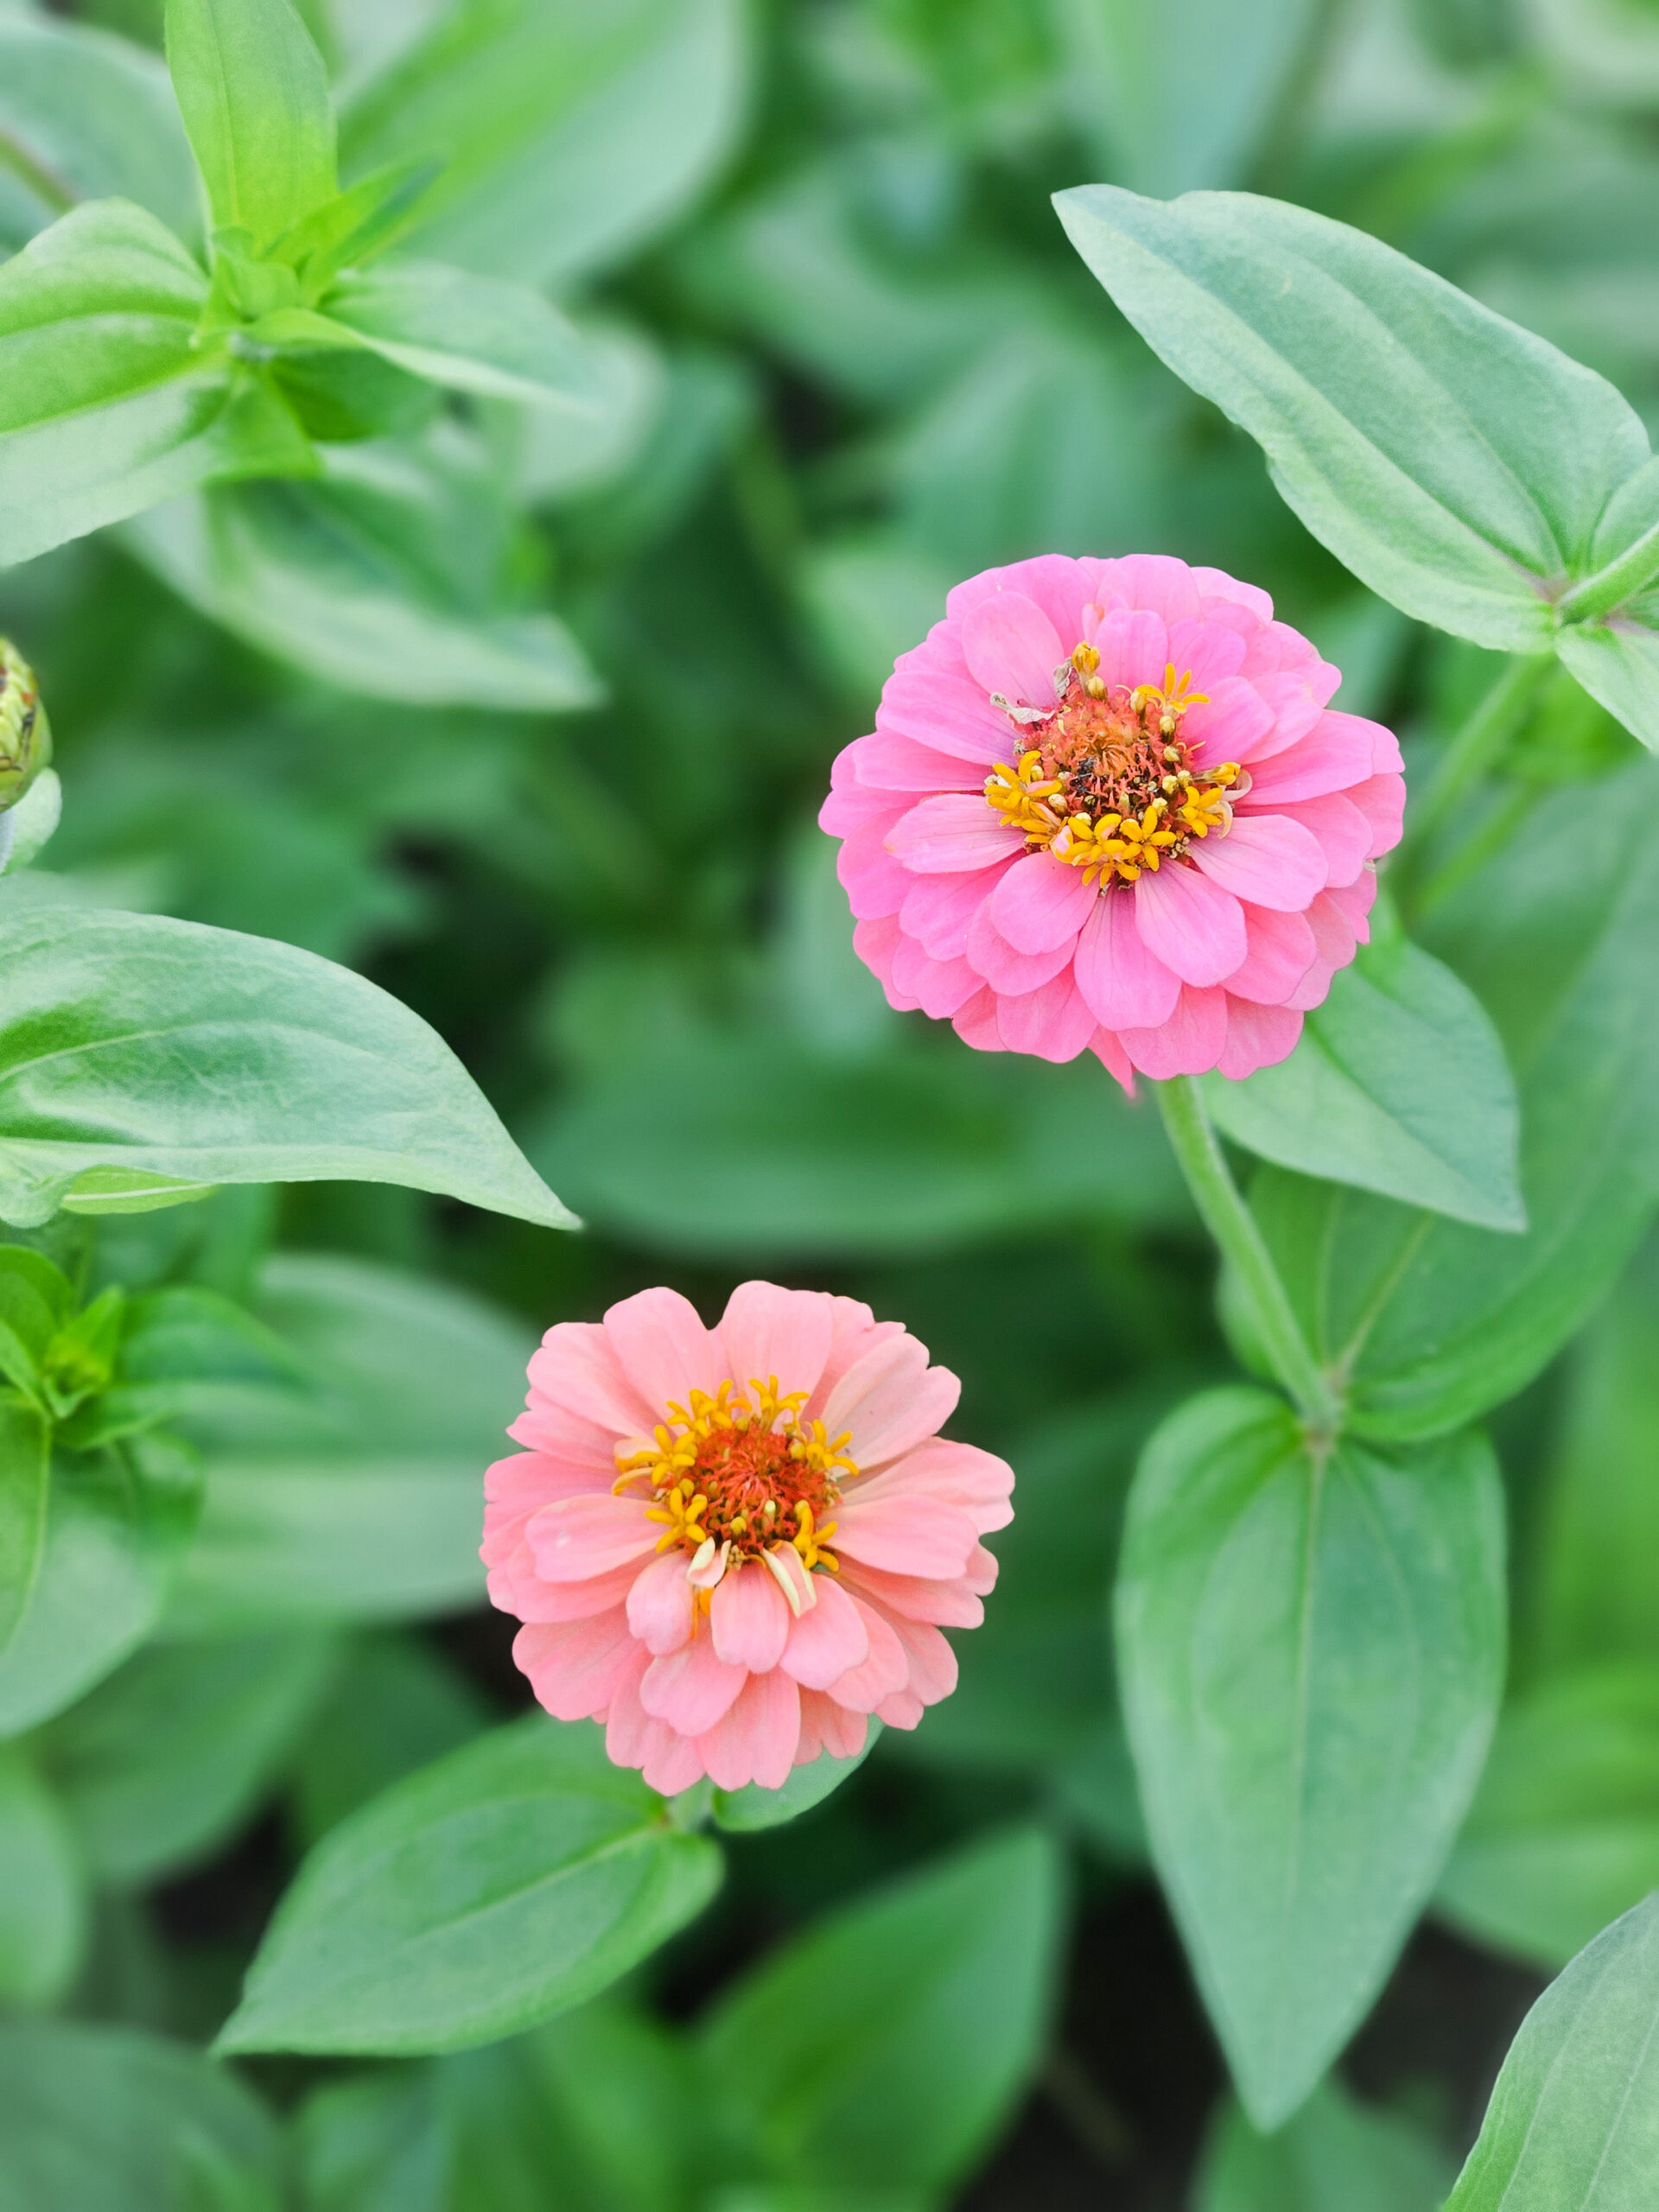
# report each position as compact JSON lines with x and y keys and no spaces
{"x":1106,"y":782}
{"x":735,"y":1478}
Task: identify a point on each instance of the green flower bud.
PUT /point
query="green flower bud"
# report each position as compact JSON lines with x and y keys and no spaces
{"x":25,"y":733}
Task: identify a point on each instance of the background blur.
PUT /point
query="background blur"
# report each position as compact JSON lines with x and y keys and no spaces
{"x":855,"y":361}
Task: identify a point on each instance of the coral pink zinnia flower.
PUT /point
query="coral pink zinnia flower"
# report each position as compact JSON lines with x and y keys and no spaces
{"x":1106,"y":805}
{"x":730,"y":1545}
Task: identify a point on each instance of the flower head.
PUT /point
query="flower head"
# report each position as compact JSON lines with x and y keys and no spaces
{"x":1107,"y":807}
{"x":732,"y":1545}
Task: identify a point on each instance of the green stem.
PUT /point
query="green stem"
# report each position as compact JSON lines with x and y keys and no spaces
{"x":43,"y":183}
{"x":1611,"y":586}
{"x":1466,"y":760}
{"x":1232,"y":1224}
{"x":1495,"y":832}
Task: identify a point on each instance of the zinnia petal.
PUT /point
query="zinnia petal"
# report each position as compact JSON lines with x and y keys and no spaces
{"x":1012,"y":647}
{"x":1192,"y":925}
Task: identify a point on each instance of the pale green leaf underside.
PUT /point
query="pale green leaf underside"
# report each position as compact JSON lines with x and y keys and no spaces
{"x":1456,"y":464}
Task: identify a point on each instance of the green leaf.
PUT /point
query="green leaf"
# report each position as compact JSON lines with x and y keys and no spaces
{"x":25,"y":1481}
{"x":35,"y":1301}
{"x":744,"y":1811}
{"x":329,"y":576}
{"x":397,"y":1705}
{"x":1574,"y":2118}
{"x":254,"y":94}
{"x":103,"y":2120}
{"x":356,"y":225}
{"x":768,"y":1142}
{"x":1431,"y":1321}
{"x":1563,"y":1834}
{"x":130,"y":1040}
{"x":1456,"y":464}
{"x":885,"y":2047}
{"x":1618,"y":663}
{"x":1035,"y":1685}
{"x":1311,"y":1653}
{"x":357,"y":1500}
{"x":1592,"y":1582}
{"x":1222,"y":69}
{"x":568,"y":133}
{"x":116,"y":1524}
{"x":96,"y":116}
{"x":162,"y":1761}
{"x":33,"y":822}
{"x":546,"y":2118}
{"x":105,"y":405}
{"x":42,"y":1891}
{"x":471,"y":334}
{"x":181,"y":1345}
{"x":1334,"y":2156}
{"x":1399,"y":1085}
{"x":510,"y":1881}
{"x":130,"y":1190}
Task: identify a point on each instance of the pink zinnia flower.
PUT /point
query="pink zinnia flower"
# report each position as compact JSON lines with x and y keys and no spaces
{"x":731,"y":1545}
{"x":1107,"y":807}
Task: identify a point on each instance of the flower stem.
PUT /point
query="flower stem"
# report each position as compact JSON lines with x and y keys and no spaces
{"x":1475,"y":746}
{"x":1232,"y":1224}
{"x":1634,"y":569}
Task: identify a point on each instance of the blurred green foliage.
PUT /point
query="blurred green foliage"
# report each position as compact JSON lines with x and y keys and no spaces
{"x":530,"y":728}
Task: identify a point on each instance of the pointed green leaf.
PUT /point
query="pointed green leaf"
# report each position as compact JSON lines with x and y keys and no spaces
{"x":744,"y":1810}
{"x":1573,"y":2123}
{"x":42,"y":1890}
{"x":1335,"y":2156}
{"x":105,"y":404}
{"x":357,"y":1498}
{"x":506,"y":1883}
{"x":1399,"y":1084}
{"x":470,"y":334}
{"x":1563,"y":1834}
{"x":316,"y":573}
{"x":131,"y":1040}
{"x":1311,"y":1652}
{"x":1592,"y":1558}
{"x":254,"y":93}
{"x":1433,"y":1321}
{"x":568,"y":131}
{"x":105,"y":2119}
{"x":25,"y":1480}
{"x":1456,"y":464}
{"x":358,"y":225}
{"x":1618,"y":663}
{"x":116,"y":1523}
{"x":163,"y":1761}
{"x":883,"y":2048}
{"x":1223,"y":69}
{"x":97,"y":116}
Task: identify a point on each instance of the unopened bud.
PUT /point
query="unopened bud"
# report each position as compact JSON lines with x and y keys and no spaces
{"x":25,"y":734}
